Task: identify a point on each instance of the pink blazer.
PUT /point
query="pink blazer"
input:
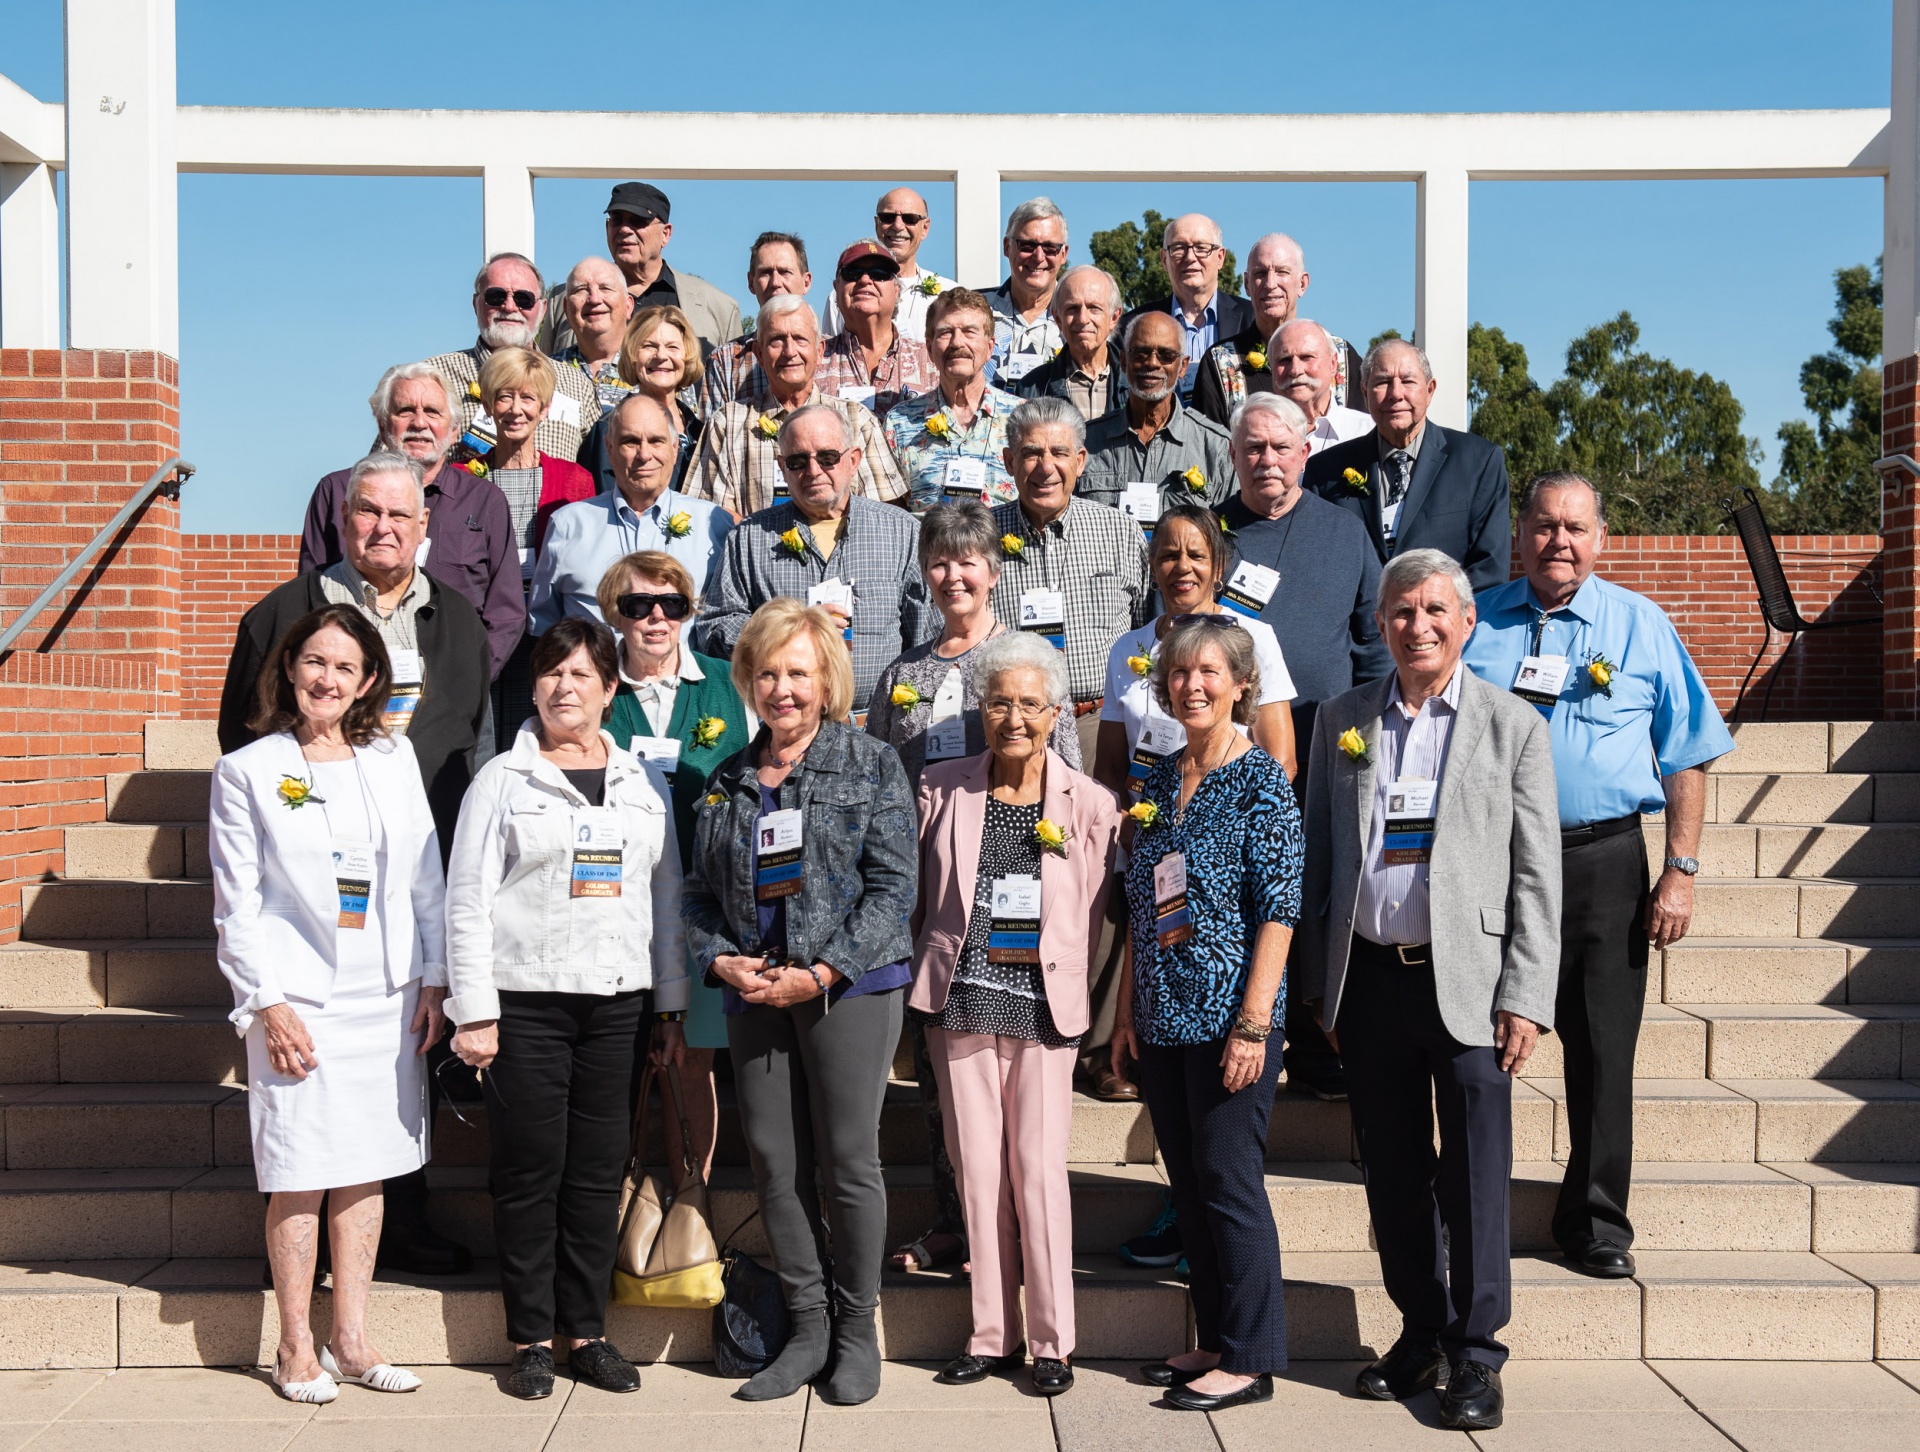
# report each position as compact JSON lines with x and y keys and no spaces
{"x":1073,"y":889}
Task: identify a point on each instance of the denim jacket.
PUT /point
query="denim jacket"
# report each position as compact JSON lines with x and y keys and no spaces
{"x":860,"y":854}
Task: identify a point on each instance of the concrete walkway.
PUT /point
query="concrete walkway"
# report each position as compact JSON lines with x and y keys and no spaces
{"x":1565,"y":1406}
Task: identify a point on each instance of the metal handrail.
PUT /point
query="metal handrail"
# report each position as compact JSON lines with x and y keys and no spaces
{"x":159,"y":482}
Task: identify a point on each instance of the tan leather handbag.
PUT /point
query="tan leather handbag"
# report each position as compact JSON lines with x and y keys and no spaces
{"x":667,"y":1255}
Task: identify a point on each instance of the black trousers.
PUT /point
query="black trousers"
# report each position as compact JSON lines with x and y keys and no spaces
{"x":1603,"y":990}
{"x":1215,"y":1147}
{"x":557,"y":1107}
{"x":1402,"y":1064}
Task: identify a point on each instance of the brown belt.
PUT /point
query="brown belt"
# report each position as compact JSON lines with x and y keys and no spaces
{"x":1087,"y":708}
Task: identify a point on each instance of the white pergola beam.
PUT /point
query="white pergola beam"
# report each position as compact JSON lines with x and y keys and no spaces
{"x":1440,"y":309}
{"x":29,"y":256}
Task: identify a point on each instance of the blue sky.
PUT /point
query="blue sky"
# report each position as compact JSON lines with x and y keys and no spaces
{"x":318,"y":283}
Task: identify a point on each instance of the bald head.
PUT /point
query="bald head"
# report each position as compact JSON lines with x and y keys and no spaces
{"x":901,"y":223}
{"x":597,"y":305}
{"x":1276,"y":276}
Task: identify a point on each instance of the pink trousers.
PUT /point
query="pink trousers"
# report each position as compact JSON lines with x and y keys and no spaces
{"x":1009,"y":1113}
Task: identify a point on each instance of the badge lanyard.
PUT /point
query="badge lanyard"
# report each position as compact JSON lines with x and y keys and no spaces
{"x":354,"y":862}
{"x":963,"y":473}
{"x":778,"y":870}
{"x":1539,"y":679}
{"x":1172,"y":917}
{"x":1014,"y":934}
{"x":599,"y":853}
{"x":1043,"y":612}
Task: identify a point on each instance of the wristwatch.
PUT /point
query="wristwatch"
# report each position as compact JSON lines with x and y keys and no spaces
{"x":1688,"y":865}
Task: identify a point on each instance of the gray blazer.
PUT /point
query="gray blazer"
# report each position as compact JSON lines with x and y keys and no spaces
{"x":1495,"y":874}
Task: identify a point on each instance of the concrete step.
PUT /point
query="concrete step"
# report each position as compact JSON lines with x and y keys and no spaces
{"x":92,"y":1045}
{"x":175,"y":745}
{"x":1831,"y":1120}
{"x":1815,"y":907}
{"x":158,"y":796}
{"x":1802,"y":800}
{"x":1832,"y":849}
{"x":1675,"y":1121}
{"x":1673,"y":1045}
{"x":1787,"y":747}
{"x":126,"y":973}
{"x":1873,"y":746}
{"x":1859,"y":1207}
{"x":1752,"y":1305}
{"x":1810,"y":1041}
{"x":134,"y":908}
{"x":137,"y":849}
{"x":1708,"y":970}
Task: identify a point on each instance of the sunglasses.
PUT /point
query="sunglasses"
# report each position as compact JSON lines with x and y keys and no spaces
{"x":1052,"y":249}
{"x":638,"y":607}
{"x":1154,"y":355}
{"x":877,"y":273}
{"x":797,"y":463}
{"x":496,"y":297}
{"x":631,"y":221}
{"x":911,"y":219}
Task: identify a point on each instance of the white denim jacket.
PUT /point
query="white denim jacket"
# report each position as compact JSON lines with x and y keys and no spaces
{"x":512,"y":922}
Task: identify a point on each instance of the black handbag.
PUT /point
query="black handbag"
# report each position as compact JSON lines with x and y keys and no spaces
{"x":750,"y":1325}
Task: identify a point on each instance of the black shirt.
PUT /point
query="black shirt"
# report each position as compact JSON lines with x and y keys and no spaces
{"x":591,"y":783}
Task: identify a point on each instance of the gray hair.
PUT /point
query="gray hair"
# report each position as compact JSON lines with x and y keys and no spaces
{"x":382,"y":400}
{"x":1279,"y":237}
{"x":480,"y":277}
{"x":1563,"y":479}
{"x":779,"y":305}
{"x":1114,"y":299}
{"x":847,"y":440}
{"x":1219,"y":237}
{"x":386,"y":461}
{"x":1379,"y":349}
{"x":1045,"y":412}
{"x":1407,"y":572}
{"x":1019,"y":650}
{"x":1325,"y":337}
{"x":1191,"y":635}
{"x":1035,"y":210}
{"x":1290,"y":414}
{"x":955,"y":531}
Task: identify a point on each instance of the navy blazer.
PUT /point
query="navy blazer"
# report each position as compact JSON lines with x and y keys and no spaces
{"x":1459,"y":500}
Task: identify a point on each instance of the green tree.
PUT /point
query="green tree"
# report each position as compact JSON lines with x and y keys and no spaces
{"x":1131,"y":256}
{"x":1509,"y":408}
{"x":1827,"y":484}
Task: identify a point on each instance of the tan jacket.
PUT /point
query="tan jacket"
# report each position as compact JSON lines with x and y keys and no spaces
{"x":715,"y":315}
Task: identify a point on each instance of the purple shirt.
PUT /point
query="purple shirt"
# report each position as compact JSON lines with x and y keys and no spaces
{"x":470,"y":547}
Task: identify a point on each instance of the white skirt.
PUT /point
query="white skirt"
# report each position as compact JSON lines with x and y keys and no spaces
{"x":361,"y":1114}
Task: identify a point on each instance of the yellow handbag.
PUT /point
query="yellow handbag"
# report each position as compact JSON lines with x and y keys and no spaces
{"x":666,"y":1254}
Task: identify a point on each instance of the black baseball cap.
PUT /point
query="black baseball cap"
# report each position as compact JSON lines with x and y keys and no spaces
{"x":641,"y":199}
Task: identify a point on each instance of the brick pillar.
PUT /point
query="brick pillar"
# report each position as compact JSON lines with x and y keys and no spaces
{"x":80,"y":430}
{"x":1900,"y":533}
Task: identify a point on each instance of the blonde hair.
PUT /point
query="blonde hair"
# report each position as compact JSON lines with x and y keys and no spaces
{"x":645,"y":324}
{"x":771,"y":627}
{"x":648,"y":564}
{"x":511,"y":367}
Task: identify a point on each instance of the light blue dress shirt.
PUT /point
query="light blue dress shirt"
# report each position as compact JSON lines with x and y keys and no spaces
{"x":587,"y":537}
{"x":1609,"y":752}
{"x":1201,"y":337}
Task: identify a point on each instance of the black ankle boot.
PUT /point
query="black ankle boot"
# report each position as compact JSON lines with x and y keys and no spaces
{"x":799,"y":1362}
{"x":856,"y":1358}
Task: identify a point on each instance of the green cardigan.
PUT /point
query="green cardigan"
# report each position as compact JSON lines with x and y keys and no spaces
{"x":693,"y":701}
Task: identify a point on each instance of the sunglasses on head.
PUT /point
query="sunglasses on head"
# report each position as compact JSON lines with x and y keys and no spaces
{"x":496,"y":297}
{"x":911,"y":219}
{"x":673,"y":605}
{"x":797,"y":463}
{"x":1221,"y":621}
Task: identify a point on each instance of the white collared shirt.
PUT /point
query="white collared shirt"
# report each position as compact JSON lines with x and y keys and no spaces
{"x":656,"y":697}
{"x":1394,"y":906}
{"x":1336,"y":426}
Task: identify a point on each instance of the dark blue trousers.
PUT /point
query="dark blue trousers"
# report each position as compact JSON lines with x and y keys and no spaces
{"x":1401,"y":1065}
{"x":1215,"y":1147}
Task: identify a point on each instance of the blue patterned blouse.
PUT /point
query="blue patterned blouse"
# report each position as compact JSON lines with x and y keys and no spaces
{"x":1241,"y":833}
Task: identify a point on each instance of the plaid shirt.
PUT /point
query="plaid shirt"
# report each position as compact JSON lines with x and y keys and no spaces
{"x":738,"y":470}
{"x":607,"y":384}
{"x":574,"y":410}
{"x":1098,"y":557}
{"x":732,"y":371}
{"x":876,"y":553}
{"x":904,"y":370}
{"x":923,"y":458}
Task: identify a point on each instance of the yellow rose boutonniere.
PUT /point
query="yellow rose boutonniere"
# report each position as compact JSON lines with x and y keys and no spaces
{"x":296,"y":793}
{"x":714,"y":799}
{"x":793,"y":544}
{"x":1012,"y":544}
{"x":476,"y":467}
{"x":768,"y":426}
{"x":707,"y":730}
{"x":1354,"y":744}
{"x":905,"y":694}
{"x":473,"y":389}
{"x":1051,"y":836}
{"x":1140,"y":665}
{"x":1354,"y":480}
{"x":680,"y":524}
{"x":1196,"y":481}
{"x":929,"y":286}
{"x":1256,"y":358}
{"x":1601,"y":672}
{"x":1145,"y":813}
{"x":938,"y":426}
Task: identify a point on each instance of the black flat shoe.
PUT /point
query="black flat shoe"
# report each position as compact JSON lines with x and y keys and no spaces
{"x":532,"y":1374}
{"x":1603,"y":1259}
{"x":966,"y":1370}
{"x":600,"y":1364}
{"x":1412,"y":1364}
{"x":1165,"y":1373}
{"x":1260,"y":1389}
{"x":1474,"y":1401}
{"x":1051,"y":1376}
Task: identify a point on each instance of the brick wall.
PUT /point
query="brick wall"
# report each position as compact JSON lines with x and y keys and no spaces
{"x":80,"y":430}
{"x":223,"y":575}
{"x":1899,"y":433}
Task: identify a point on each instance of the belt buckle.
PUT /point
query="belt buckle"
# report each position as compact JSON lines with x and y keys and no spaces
{"x":1405,"y":961}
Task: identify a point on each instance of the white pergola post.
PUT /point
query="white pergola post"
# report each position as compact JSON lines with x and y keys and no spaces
{"x":123,"y":191}
{"x":1440,"y":289}
{"x":1900,"y":318}
{"x":29,"y":257}
{"x":507,"y":206}
{"x":976,"y":226}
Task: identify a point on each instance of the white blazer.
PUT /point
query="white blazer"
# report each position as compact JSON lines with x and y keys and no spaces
{"x":276,"y":906}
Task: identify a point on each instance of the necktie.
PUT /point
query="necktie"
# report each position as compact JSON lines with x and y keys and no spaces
{"x":1399,"y":475}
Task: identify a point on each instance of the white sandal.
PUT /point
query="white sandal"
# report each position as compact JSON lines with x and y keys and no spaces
{"x":380,"y":1377}
{"x":321,"y":1390}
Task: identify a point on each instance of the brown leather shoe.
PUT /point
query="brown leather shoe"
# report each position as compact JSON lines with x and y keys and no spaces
{"x":1109,"y":1085}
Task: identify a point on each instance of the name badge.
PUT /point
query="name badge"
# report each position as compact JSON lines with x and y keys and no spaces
{"x":777,"y":866}
{"x":599,"y":850}
{"x":1408,"y":837}
{"x":1250,"y":588}
{"x":662,"y":751}
{"x":1160,"y":736}
{"x":480,"y":434}
{"x":835,"y":595}
{"x":1141,"y":504}
{"x":862,"y":394}
{"x":1014,"y":934}
{"x":1018,"y":365}
{"x":1390,"y":520}
{"x":565,"y":409}
{"x":353,"y":880}
{"x":1539,"y":680}
{"x":947,"y":735}
{"x":964,"y":479}
{"x":1172,"y":919}
{"x":406,"y":667}
{"x":398,"y":713}
{"x":1044,"y":613}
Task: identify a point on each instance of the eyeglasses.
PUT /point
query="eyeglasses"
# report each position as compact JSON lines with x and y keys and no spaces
{"x":874,"y":270}
{"x":638,"y":607}
{"x":1199,"y":250}
{"x":1000,"y":707}
{"x":797,"y":463}
{"x":496,"y":297}
{"x":1154,"y":355}
{"x":1024,"y":245}
{"x":631,"y":221}
{"x":911,"y":219}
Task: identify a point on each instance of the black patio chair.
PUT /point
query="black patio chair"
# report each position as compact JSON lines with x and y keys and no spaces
{"x":1777,"y":609}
